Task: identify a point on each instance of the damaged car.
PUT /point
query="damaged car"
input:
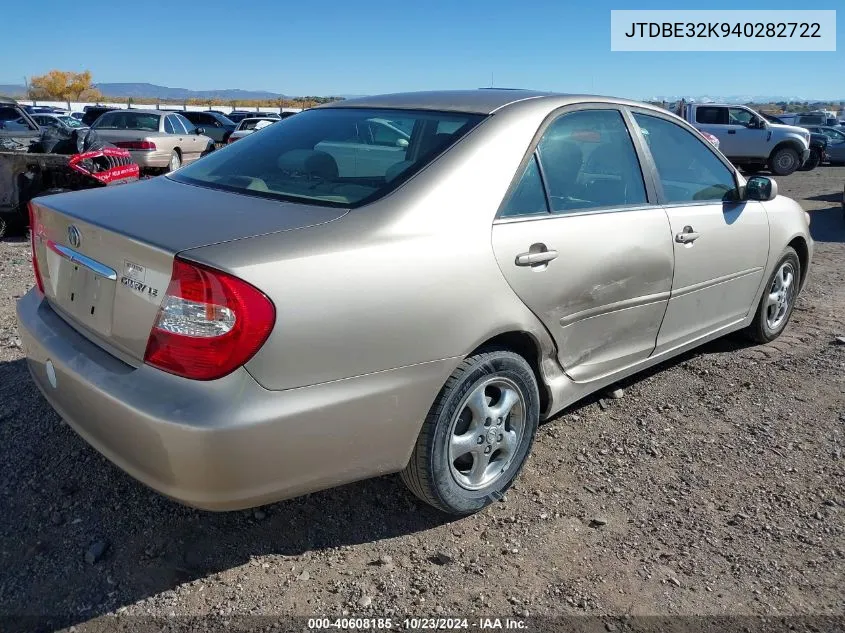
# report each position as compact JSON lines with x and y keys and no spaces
{"x":35,"y":162}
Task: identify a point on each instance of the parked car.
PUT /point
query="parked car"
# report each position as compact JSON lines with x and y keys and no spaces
{"x":264,"y":326}
{"x":216,"y":126}
{"x":836,"y":143}
{"x":750,"y":141}
{"x":157,"y":140}
{"x":77,"y":115}
{"x":818,"y":145}
{"x":248,"y":126}
{"x":92,"y":113}
{"x":236,"y":116}
{"x":61,"y":122}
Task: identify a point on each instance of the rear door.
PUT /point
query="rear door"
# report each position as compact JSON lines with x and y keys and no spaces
{"x":720,"y":245}
{"x":582,"y":241}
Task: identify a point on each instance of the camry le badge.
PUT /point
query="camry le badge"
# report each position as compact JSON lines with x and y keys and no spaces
{"x":74,"y":238}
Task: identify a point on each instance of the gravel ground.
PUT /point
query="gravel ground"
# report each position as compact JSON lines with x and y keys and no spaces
{"x":714,"y":486}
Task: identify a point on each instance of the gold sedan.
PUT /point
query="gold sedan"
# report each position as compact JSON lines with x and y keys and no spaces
{"x":157,"y":140}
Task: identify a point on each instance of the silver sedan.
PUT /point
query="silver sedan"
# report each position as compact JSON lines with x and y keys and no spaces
{"x":406,"y":283}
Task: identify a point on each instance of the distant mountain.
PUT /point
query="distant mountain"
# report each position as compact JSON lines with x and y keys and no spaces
{"x":12,"y":90}
{"x":153,"y":91}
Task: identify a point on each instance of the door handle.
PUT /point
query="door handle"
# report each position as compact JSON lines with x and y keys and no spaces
{"x":534,"y":259}
{"x":687,"y":236}
{"x":731,"y":131}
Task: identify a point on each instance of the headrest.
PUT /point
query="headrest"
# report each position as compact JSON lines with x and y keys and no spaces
{"x":308,"y":163}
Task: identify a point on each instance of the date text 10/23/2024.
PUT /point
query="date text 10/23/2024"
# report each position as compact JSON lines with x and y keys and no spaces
{"x":415,"y":624}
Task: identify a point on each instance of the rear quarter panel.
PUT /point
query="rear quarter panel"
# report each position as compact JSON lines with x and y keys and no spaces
{"x":409,"y":279}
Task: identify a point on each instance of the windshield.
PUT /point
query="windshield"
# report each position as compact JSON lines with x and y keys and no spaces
{"x":331,"y":156}
{"x":69,"y":121}
{"x":123,"y":120}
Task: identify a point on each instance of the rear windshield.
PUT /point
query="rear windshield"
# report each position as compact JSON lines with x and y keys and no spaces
{"x":250,"y":124}
{"x":123,"y":120}
{"x":331,"y":156}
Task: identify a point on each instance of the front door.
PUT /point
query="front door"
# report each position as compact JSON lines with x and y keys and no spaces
{"x":582,"y":242}
{"x":721,"y":245}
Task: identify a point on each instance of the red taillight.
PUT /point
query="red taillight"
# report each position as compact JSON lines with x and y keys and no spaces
{"x":34,"y":228}
{"x":136,"y":145}
{"x":209,"y":324}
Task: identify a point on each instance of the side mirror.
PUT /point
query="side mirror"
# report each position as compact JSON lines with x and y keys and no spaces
{"x":199,"y":130}
{"x":402,"y":142}
{"x":761,"y":188}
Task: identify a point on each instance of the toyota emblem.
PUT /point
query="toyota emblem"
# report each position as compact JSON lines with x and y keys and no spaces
{"x":74,"y":238}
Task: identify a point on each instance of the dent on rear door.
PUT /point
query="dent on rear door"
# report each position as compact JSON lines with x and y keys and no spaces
{"x":605,"y":295}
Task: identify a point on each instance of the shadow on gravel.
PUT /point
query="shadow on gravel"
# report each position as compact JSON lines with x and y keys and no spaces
{"x":828,"y":225}
{"x":59,"y":497}
{"x":61,"y":503}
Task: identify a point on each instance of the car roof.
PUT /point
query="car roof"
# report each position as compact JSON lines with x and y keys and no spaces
{"x":480,"y":101}
{"x":139,"y":111}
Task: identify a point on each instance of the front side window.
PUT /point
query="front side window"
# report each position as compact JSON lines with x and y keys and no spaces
{"x":688,"y":169}
{"x":740,"y":116}
{"x":187,"y":125}
{"x":588,"y":161}
{"x":318,"y":157}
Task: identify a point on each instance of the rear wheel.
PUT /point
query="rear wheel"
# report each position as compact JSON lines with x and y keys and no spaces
{"x":784,"y":161}
{"x":175,"y":161}
{"x":778,"y":299}
{"x":477,"y":434}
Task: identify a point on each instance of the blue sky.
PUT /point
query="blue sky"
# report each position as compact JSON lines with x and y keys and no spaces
{"x":364,"y":47}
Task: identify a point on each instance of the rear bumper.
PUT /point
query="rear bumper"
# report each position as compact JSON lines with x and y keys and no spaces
{"x":226,"y":444}
{"x":157,"y":158}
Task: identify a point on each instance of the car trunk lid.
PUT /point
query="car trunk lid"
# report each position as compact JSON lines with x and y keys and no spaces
{"x":106,"y":256}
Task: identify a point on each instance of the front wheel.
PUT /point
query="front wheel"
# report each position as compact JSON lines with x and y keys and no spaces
{"x":785,"y":161}
{"x":778,"y":299}
{"x":477,"y":434}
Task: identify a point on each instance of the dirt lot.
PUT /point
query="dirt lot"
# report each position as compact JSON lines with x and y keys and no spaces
{"x":715,"y":486}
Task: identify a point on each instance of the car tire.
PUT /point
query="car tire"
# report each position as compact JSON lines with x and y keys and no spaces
{"x":784,"y":161}
{"x":813,"y":161}
{"x":776,"y":304}
{"x":467,"y":455}
{"x":175,"y":161}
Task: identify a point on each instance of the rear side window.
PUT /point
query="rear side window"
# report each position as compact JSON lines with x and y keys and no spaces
{"x":588,"y":161}
{"x":322,"y":156}
{"x":689,"y":171}
{"x":711,"y":116}
{"x":529,"y":197}
{"x":125,"y":120}
{"x":168,"y":125}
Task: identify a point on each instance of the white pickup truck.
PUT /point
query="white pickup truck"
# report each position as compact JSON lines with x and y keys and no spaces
{"x":748,"y":140}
